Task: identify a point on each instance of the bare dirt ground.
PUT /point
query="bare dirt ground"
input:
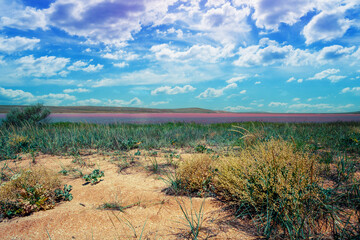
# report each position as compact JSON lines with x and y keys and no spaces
{"x":152,"y":213}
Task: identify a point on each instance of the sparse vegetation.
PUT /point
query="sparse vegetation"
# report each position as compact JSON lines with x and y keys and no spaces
{"x":290,"y":181}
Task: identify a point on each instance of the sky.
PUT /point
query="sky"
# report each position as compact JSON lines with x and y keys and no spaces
{"x":233,"y":55}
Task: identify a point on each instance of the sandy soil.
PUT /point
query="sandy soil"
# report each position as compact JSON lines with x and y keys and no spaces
{"x":154,"y":214}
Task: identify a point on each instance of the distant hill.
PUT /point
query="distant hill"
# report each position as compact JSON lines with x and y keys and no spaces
{"x":92,"y":109}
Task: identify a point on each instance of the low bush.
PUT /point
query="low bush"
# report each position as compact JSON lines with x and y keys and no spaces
{"x":29,"y":191}
{"x":275,"y":185}
{"x":31,"y":115}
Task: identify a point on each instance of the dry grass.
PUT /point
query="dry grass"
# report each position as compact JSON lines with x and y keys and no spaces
{"x":195,"y":174}
{"x":276,"y":182}
{"x":28,"y":191}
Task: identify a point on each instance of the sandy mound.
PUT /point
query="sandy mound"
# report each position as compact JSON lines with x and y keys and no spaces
{"x":151,"y":214}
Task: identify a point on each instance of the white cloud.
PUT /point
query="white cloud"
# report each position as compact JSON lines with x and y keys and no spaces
{"x":117,"y":102}
{"x":215,"y":3}
{"x":269,"y":52}
{"x":335,"y":78}
{"x":242,"y":91}
{"x":83,"y":66}
{"x":22,"y":97}
{"x":89,"y":102}
{"x":1,"y":60}
{"x":110,"y":22}
{"x":354,"y":90}
{"x":109,"y":102}
{"x":270,"y":13}
{"x":204,"y":53}
{"x":296,"y":99}
{"x":304,"y":107}
{"x":16,"y":95}
{"x":159,"y":103}
{"x":10,"y":45}
{"x":319,"y":28}
{"x":15,"y":15}
{"x":237,"y":79}
{"x":317,"y":98}
{"x":213,"y":93}
{"x":43,"y":66}
{"x":172,"y":91}
{"x":335,"y":52}
{"x":237,"y":108}
{"x":258,"y":82}
{"x":120,"y":55}
{"x":168,"y":73}
{"x":292,"y":79}
{"x":224,"y":23}
{"x":93,"y":68}
{"x":324,"y":74}
{"x":277,"y":104}
{"x":78,"y":90}
{"x":121,"y":64}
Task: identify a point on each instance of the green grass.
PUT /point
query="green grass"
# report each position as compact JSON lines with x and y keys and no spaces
{"x":59,"y":138}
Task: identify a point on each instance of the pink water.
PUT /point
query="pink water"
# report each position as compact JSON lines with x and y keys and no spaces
{"x":202,"y":117}
{"x":198,"y":117}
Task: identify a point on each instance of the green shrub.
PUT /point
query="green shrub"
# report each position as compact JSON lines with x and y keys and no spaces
{"x":32,"y":115}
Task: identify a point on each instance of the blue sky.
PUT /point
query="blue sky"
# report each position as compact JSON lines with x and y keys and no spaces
{"x":234,"y":55}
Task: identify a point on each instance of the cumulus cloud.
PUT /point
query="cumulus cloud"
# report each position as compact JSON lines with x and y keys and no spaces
{"x":118,"y":103}
{"x":257,"y":82}
{"x":121,"y":64}
{"x":22,"y":97}
{"x":277,"y":104}
{"x":213,"y":93}
{"x":219,"y":20}
{"x":10,"y":45}
{"x":354,"y":90}
{"x":324,"y":74}
{"x":335,"y":78}
{"x":269,"y":14}
{"x":335,"y":52}
{"x":109,"y":102}
{"x":237,"y":79}
{"x":237,"y":108}
{"x":172,"y":91}
{"x":206,"y":53}
{"x":319,"y":28}
{"x":120,"y":55}
{"x":89,"y":102}
{"x":44,"y":66}
{"x":15,"y":15}
{"x":269,"y":52}
{"x":83,"y":66}
{"x":77,"y":90}
{"x":110,"y":22}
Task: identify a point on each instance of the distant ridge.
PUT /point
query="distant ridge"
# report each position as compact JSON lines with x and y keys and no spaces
{"x":92,"y":109}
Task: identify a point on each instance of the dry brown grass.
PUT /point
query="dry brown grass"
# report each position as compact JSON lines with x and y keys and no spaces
{"x":195,"y":173}
{"x":27,"y":191}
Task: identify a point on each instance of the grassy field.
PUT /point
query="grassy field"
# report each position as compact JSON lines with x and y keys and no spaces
{"x":93,"y":109}
{"x":287,"y":180}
